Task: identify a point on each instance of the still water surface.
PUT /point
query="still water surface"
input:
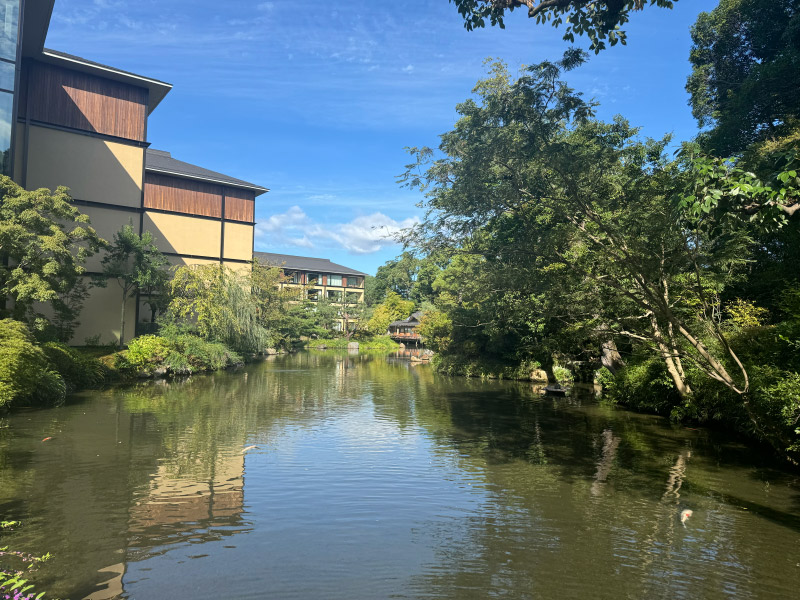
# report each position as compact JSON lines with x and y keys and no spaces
{"x":374,"y":478}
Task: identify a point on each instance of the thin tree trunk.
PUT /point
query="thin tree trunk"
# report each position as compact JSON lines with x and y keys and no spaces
{"x":675,"y":370}
{"x":122,"y":318}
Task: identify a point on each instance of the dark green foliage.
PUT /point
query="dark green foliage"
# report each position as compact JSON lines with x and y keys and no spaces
{"x":26,"y":376}
{"x":78,"y":369}
{"x":44,"y":242}
{"x":743,"y":84}
{"x":600,"y":20}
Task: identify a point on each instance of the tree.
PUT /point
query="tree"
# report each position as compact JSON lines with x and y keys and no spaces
{"x":44,"y":243}
{"x":136,"y":264}
{"x":397,"y":275}
{"x":218,"y":302}
{"x":744,"y":69}
{"x":393,"y":308}
{"x":529,"y":180}
{"x":600,"y":20}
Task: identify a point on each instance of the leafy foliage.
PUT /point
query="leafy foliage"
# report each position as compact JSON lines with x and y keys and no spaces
{"x":218,"y":302}
{"x":176,"y":352}
{"x":601,"y":21}
{"x":393,"y":308}
{"x":44,"y":242}
{"x":26,"y":375}
{"x":744,"y":70}
{"x":136,"y":264}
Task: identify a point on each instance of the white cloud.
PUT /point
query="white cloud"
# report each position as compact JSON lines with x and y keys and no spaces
{"x":363,"y":235}
{"x":408,"y":69}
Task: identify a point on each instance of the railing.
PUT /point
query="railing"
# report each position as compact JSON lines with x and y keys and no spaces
{"x":405,"y":336}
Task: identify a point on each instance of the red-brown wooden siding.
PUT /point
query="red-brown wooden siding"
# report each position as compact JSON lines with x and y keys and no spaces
{"x":72,"y":99}
{"x":239,"y":204}
{"x":182,"y":195}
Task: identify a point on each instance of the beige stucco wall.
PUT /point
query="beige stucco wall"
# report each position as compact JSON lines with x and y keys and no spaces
{"x":95,"y":170}
{"x":242,"y":268}
{"x":238,"y":241}
{"x":101,"y":315}
{"x":179,"y":261}
{"x":107,"y":222}
{"x":184,"y":234}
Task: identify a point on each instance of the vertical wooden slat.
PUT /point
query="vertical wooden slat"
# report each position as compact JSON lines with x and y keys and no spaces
{"x":182,"y":195}
{"x":82,"y":101}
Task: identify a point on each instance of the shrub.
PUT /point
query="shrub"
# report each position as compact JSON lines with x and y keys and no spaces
{"x":644,"y":385}
{"x":177,"y":352}
{"x":78,"y":370}
{"x":26,"y":376}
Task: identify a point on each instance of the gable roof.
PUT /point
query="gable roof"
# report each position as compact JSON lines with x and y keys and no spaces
{"x":412,"y":320}
{"x":161,"y":161}
{"x":304,"y":263}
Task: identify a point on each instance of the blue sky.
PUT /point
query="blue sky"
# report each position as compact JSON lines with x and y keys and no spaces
{"x":316,"y":100}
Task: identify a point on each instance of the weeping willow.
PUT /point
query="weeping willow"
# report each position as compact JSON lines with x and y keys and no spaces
{"x":218,"y":303}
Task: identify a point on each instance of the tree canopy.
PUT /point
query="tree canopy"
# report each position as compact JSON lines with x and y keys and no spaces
{"x":743,"y":84}
{"x":44,"y":243}
{"x":600,"y":20}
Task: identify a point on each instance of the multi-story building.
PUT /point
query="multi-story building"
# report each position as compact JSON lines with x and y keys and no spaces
{"x":320,"y":278}
{"x":69,"y":121}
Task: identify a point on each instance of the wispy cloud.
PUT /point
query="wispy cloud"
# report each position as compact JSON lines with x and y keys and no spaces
{"x":363,"y":235}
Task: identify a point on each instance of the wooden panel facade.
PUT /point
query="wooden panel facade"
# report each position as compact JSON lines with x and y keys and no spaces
{"x":73,"y":99}
{"x":180,"y":195}
{"x":240,"y":205}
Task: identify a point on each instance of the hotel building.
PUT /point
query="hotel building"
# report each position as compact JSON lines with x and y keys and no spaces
{"x":68,"y":121}
{"x":320,"y":278}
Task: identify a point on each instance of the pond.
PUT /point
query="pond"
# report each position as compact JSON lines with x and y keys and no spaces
{"x":373,"y":477}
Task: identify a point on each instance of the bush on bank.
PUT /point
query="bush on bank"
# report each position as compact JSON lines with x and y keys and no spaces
{"x":175,"y":353}
{"x":378,"y":342}
{"x":27,"y":377}
{"x":41,"y":375}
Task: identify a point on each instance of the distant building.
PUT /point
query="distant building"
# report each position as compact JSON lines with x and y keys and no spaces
{"x":405,"y":331}
{"x":65,"y":120}
{"x":320,"y":278}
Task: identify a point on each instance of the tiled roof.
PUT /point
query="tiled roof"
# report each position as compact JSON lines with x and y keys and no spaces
{"x":304,"y":263}
{"x":416,"y":316}
{"x":161,"y":161}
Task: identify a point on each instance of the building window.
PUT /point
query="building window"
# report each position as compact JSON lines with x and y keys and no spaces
{"x":335,"y":280}
{"x":313,"y":279}
{"x":313,"y":295}
{"x":353,"y":281}
{"x":334,"y":296}
{"x":294,"y":277}
{"x":9,"y":19}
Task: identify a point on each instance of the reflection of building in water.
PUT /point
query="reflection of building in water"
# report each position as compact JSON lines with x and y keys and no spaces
{"x":177,"y":504}
{"x":180,"y":508}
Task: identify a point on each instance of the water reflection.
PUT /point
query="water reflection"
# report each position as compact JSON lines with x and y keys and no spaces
{"x":373,"y":478}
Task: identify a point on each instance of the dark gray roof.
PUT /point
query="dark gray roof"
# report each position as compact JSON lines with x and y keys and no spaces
{"x":157,"y":89}
{"x":305,"y":263}
{"x":161,"y":161}
{"x":414,"y":316}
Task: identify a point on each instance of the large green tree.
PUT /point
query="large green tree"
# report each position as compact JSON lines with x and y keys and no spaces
{"x":136,"y":264}
{"x":600,"y":20}
{"x":743,"y":84}
{"x":44,"y":243}
{"x":588,"y":213}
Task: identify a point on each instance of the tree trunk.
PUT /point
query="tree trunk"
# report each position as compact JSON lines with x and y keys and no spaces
{"x":675,"y":370}
{"x":122,"y":319}
{"x":551,"y":376}
{"x":610,"y":357}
